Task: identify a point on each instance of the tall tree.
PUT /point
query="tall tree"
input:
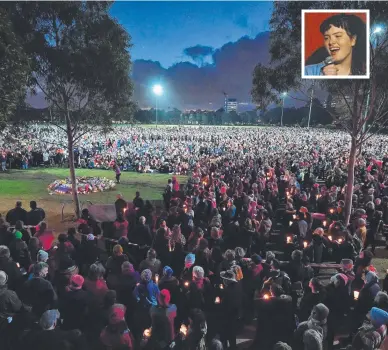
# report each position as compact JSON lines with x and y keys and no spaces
{"x":79,"y":59}
{"x":14,"y":72}
{"x":366,"y":101}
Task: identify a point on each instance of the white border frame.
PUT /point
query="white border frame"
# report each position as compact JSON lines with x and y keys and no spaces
{"x":367,"y":76}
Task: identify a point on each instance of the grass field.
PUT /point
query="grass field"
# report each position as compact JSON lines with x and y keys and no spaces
{"x":32,"y":184}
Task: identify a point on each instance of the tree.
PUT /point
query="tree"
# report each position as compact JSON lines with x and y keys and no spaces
{"x":365,"y":101}
{"x":78,"y":57}
{"x":14,"y":72}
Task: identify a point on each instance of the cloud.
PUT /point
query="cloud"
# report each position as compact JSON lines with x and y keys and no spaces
{"x":198,"y":53}
{"x":189,"y":85}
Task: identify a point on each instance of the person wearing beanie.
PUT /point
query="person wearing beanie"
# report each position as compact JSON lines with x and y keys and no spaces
{"x":117,"y":334}
{"x":316,"y":321}
{"x":49,"y":336}
{"x":73,"y":304}
{"x":126,"y":285}
{"x":170,"y":283}
{"x":95,"y":283}
{"x":372,"y":333}
{"x":339,"y":301}
{"x":199,"y":290}
{"x":230,"y":309}
{"x":19,"y":250}
{"x":42,"y":256}
{"x":187,"y":273}
{"x":146,"y":294}
{"x":113,"y":266}
{"x":164,"y":313}
{"x":151,"y":263}
{"x":10,"y":303}
{"x":365,"y":299}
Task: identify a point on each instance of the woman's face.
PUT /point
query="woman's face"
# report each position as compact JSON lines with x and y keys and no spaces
{"x":338,"y":43}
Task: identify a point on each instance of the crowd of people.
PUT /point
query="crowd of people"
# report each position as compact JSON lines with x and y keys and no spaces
{"x":242,"y":242}
{"x":177,"y":149}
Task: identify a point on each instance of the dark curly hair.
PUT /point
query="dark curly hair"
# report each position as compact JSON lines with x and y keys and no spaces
{"x":354,"y":27}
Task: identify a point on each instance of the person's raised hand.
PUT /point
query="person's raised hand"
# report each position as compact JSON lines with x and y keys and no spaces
{"x":330,"y":69}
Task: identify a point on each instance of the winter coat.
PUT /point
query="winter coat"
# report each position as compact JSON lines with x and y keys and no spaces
{"x":73,"y":307}
{"x":40,"y":294}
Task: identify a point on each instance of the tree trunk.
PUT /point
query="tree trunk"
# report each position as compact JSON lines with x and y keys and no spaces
{"x":70,"y":146}
{"x":350,"y":182}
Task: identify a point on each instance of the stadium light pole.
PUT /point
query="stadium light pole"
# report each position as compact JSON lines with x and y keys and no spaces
{"x":311,"y":102}
{"x":158,"y":91}
{"x":284,"y":94}
{"x":377,"y":30}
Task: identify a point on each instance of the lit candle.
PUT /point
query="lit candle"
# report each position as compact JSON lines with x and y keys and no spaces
{"x":186,"y":284}
{"x":290,"y":223}
{"x":183,"y":329}
{"x":331,"y":211}
{"x":330,"y":238}
{"x":305,"y":244}
{"x":288,"y":239}
{"x":217,"y":301}
{"x":340,"y":240}
{"x":221,"y":286}
{"x":324,"y":223}
{"x":356,"y":294}
{"x":294,"y":216}
{"x":147,"y":333}
{"x":266,"y":296}
{"x":18,"y":265}
{"x":156,"y":278}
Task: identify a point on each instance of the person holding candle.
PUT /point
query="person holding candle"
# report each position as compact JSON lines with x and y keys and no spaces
{"x":372,"y":333}
{"x":366,"y":298}
{"x":117,"y":333}
{"x":163,"y":316}
{"x":231,"y":308}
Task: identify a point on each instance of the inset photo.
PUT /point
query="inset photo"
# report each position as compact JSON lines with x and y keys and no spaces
{"x":335,"y":44}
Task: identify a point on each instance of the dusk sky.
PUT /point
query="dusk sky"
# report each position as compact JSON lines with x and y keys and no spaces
{"x":162,"y":30}
{"x":196,"y":50}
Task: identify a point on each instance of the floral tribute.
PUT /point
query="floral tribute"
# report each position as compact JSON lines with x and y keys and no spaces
{"x":85,"y":185}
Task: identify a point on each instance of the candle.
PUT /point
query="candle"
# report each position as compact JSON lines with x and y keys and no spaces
{"x":156,"y":278}
{"x":265,"y":296}
{"x":340,"y":240}
{"x":186,"y":284}
{"x":356,"y":294}
{"x":288,"y":239}
{"x":183,"y":329}
{"x":294,"y":216}
{"x":221,"y":286}
{"x":331,"y":211}
{"x":18,"y":265}
{"x":147,"y":333}
{"x":330,"y":238}
{"x":305,"y":244}
{"x":217,"y":301}
{"x":324,"y":223}
{"x":290,"y":223}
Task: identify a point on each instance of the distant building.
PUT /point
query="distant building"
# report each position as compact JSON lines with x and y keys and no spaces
{"x":230,"y":105}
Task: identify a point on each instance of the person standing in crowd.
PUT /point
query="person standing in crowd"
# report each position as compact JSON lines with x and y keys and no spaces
{"x":117,"y":171}
{"x":16,"y":214}
{"x":36,"y":215}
